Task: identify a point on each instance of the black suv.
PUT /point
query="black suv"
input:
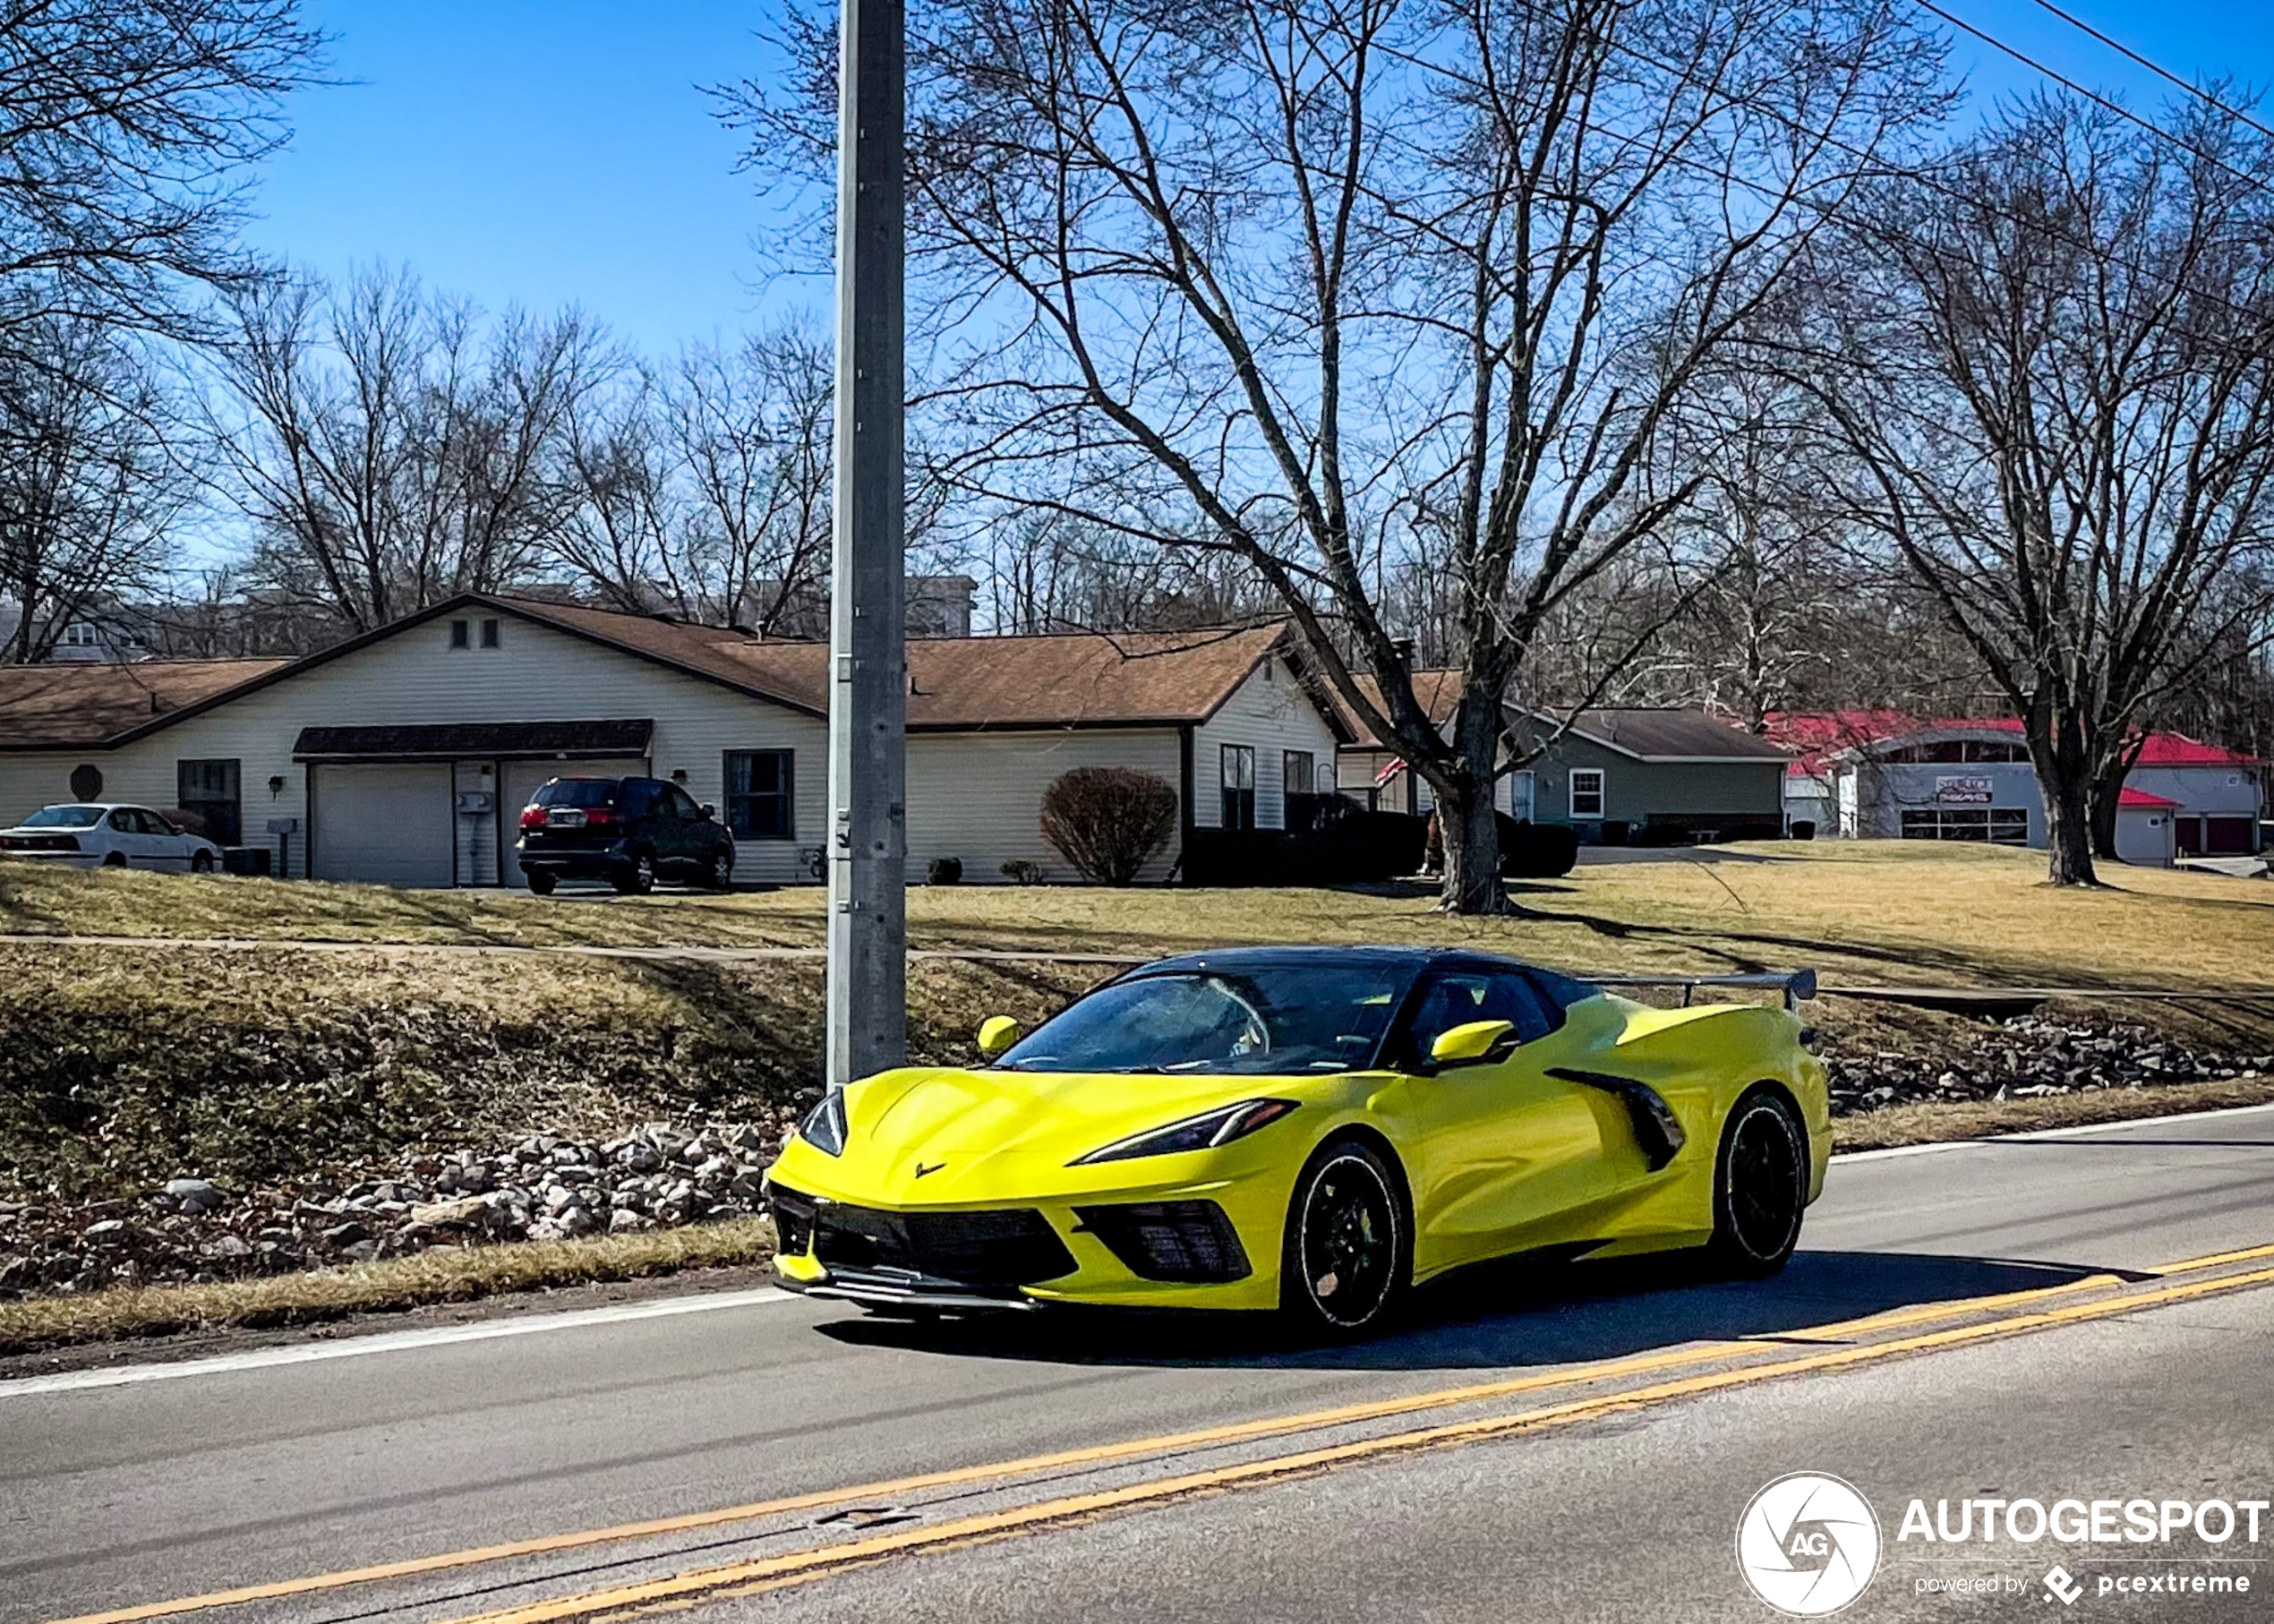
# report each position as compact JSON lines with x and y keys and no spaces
{"x":631,"y":831}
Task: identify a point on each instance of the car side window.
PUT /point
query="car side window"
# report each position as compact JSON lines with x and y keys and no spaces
{"x":123,"y":822}
{"x":1457,"y":998}
{"x":682,"y":804}
{"x":638,"y":797}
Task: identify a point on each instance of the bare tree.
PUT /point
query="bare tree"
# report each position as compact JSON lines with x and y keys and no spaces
{"x":1330,"y":282}
{"x":89,"y":489}
{"x":126,"y":130}
{"x":2056,"y":381}
{"x":390,"y":449}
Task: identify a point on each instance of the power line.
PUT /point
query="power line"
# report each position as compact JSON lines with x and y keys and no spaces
{"x":2156,"y":68}
{"x":2094,"y":97}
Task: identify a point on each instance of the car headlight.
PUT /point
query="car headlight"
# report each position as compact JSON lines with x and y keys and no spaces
{"x":1217,"y":1127}
{"x":824,"y":1127}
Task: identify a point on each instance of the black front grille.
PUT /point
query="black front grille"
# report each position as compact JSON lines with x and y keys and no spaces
{"x":793,"y":1220}
{"x":1189,"y":1241}
{"x":1013,"y":1247}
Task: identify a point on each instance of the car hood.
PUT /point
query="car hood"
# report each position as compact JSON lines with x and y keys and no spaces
{"x":982,"y":1135}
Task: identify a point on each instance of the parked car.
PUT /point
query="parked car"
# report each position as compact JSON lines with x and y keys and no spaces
{"x":629,"y":832}
{"x":88,"y":835}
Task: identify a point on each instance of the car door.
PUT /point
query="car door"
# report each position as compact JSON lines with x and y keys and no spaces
{"x":1502,"y":1156}
{"x":690,"y":840}
{"x":127,"y":836}
{"x":169,"y":848}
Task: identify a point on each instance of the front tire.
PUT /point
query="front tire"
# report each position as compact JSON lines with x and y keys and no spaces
{"x":201,"y":862}
{"x":1760,"y":1186}
{"x":1347,"y":1254}
{"x":722,"y":874}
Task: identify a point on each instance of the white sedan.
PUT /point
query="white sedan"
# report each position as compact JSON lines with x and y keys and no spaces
{"x":110,"y":836}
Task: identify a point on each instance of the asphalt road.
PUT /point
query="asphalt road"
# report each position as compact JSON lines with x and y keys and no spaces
{"x":131,"y":1493}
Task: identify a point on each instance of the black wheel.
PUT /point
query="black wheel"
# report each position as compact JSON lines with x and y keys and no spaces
{"x":639,"y":879}
{"x":1760,"y":1186}
{"x":721,"y":874}
{"x":1348,"y":1253}
{"x":201,"y":862}
{"x":117,"y":860}
{"x":541,"y":881}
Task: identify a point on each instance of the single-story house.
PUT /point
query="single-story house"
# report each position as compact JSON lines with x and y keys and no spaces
{"x":404,"y":755}
{"x":1883,"y":775}
{"x":1613,"y":774}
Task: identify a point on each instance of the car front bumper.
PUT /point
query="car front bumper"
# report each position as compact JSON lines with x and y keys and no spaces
{"x":1202,"y":1243}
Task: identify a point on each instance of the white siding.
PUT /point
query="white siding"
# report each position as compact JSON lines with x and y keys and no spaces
{"x":414,"y":678}
{"x":1270,"y":713}
{"x":979,"y":795}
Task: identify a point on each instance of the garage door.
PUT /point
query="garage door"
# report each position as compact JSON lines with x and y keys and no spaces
{"x":523,"y":778}
{"x":385,"y":826}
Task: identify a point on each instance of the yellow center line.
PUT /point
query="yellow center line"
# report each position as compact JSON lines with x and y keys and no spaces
{"x":743,"y":1578}
{"x":1102,"y":1454}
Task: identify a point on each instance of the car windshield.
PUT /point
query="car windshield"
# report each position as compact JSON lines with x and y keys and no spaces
{"x":577,"y":792}
{"x":63,"y":817}
{"x":1275,"y":1020}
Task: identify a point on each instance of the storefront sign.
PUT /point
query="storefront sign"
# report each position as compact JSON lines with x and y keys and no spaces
{"x":1961,"y":792}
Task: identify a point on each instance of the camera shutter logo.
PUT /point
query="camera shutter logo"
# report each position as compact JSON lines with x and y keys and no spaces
{"x":1808,"y":1544}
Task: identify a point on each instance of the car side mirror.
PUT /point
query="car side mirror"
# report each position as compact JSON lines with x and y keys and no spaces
{"x":998,"y":1033}
{"x":1468,"y":1044}
{"x":709,"y":811}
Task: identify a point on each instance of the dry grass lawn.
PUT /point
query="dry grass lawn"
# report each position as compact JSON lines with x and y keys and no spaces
{"x":445,"y":1275}
{"x":1856,"y":911}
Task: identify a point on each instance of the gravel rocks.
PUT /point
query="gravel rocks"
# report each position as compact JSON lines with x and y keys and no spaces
{"x":2027,"y":1057}
{"x":659,"y":1176}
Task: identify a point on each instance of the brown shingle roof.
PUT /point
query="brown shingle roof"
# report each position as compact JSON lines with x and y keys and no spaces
{"x":1438,"y":692}
{"x":967,"y":684}
{"x":959,"y":684}
{"x":73,"y":706}
{"x":1675,"y":733}
{"x":1653,"y":733}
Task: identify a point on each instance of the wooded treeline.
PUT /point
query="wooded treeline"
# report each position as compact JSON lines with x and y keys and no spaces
{"x":1611,"y":351}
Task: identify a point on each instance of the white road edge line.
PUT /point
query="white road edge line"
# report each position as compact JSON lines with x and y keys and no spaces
{"x":524,"y":1325}
{"x":393,"y":1342}
{"x":2077,"y":1133}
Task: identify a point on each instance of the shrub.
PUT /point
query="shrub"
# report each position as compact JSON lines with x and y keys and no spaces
{"x":187,"y":821}
{"x":944,"y":871}
{"x":1022,"y":872}
{"x":1537,"y":851}
{"x":1109,"y":821}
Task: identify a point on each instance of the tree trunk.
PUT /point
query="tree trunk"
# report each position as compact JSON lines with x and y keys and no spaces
{"x":1471,"y":882}
{"x":2068,"y":821}
{"x":2107,"y":793}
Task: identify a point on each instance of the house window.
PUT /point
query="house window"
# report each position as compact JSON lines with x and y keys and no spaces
{"x":1586,"y":791}
{"x":759,"y":786}
{"x":209,"y":790}
{"x":1239,"y":786}
{"x":490,"y":634}
{"x":1999,"y":826}
{"x":459,"y":630}
{"x":1297,"y":774}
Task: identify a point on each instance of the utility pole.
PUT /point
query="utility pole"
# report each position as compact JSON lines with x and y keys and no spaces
{"x":866,"y":1026}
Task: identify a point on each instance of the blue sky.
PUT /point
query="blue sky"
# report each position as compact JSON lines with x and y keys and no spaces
{"x":549,"y":154}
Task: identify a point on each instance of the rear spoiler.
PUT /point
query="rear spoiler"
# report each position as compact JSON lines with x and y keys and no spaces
{"x":1794,"y":984}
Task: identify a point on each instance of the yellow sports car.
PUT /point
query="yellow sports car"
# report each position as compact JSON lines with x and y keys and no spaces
{"x":1310,"y":1130}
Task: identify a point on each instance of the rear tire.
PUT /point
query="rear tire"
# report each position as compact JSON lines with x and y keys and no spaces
{"x":541,"y":881}
{"x":1760,"y":1186}
{"x":117,"y":860}
{"x":639,"y":878}
{"x":1346,"y":1255}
